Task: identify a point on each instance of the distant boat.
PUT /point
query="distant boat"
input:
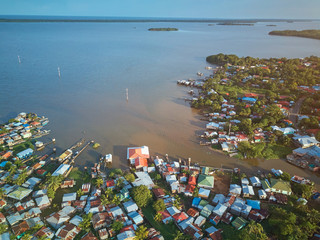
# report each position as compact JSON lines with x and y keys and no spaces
{"x":200,"y":74}
{"x":59,"y":72}
{"x":19,"y":60}
{"x":127,"y":94}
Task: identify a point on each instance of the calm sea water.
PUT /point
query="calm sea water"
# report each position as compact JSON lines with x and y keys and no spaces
{"x":98,"y":61}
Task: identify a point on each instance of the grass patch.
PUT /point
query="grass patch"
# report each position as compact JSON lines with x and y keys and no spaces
{"x":235,"y":179}
{"x":228,"y":232}
{"x":80,"y":177}
{"x":280,"y":151}
{"x":168,"y":231}
{"x":23,"y":146}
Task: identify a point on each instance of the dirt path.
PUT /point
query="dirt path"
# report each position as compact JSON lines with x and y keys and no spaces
{"x":294,"y":112}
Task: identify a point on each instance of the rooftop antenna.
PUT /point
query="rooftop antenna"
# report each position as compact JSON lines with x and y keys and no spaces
{"x":19,"y":60}
{"x":127,"y":94}
{"x":59,"y":73}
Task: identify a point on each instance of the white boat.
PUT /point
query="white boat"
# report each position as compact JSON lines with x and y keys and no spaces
{"x":200,"y":74}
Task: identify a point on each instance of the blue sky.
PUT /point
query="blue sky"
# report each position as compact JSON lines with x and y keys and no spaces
{"x":308,"y":9}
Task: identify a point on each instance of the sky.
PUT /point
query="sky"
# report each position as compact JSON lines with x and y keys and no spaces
{"x":277,"y":9}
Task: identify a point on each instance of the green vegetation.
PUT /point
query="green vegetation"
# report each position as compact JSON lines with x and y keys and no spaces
{"x":168,"y":231}
{"x":159,"y":205}
{"x":141,"y":195}
{"x":314,"y":34}
{"x":96,"y":145}
{"x":86,"y":222}
{"x":23,"y":146}
{"x":163,"y":29}
{"x":141,"y":233}
{"x":297,"y":222}
{"x":129,"y":177}
{"x":253,"y":231}
{"x":117,"y":226}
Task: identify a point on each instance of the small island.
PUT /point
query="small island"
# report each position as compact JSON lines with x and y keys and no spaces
{"x":235,"y":24}
{"x":163,"y":29}
{"x":314,"y":34}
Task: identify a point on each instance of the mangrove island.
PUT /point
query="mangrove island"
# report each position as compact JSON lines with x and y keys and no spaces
{"x":314,"y":34}
{"x":163,"y":29}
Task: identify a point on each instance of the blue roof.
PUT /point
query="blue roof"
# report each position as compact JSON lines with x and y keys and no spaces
{"x":249,"y":99}
{"x":3,"y":164}
{"x":196,"y":201}
{"x":25,"y":153}
{"x":136,"y":217}
{"x":255,"y":204}
{"x":26,"y":125}
{"x":16,"y":124}
{"x":313,"y":151}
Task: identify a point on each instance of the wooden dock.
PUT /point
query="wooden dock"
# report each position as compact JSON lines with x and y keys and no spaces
{"x":82,"y":149}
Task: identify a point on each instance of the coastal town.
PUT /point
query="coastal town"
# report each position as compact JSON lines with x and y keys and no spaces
{"x":156,"y":197}
{"x":258,"y":108}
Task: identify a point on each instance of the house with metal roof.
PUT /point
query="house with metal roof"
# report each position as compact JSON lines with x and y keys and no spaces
{"x":19,"y":193}
{"x":130,"y":206}
{"x":126,"y":235}
{"x":239,"y":223}
{"x":205,"y":181}
{"x":255,"y":181}
{"x":218,"y":198}
{"x":280,"y":186}
{"x":220,"y":209}
{"x":61,"y":170}
{"x":43,"y":201}
{"x":143,"y":178}
{"x":25,"y":153}
{"x":266,"y":185}
{"x":135,"y":217}
{"x":204,"y":193}
{"x":207,"y":210}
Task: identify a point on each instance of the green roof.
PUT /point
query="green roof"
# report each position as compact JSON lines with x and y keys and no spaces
{"x":203,"y":203}
{"x":265,"y":184}
{"x":205,"y":180}
{"x":279,"y":184}
{"x":239,"y":223}
{"x":20,"y":193}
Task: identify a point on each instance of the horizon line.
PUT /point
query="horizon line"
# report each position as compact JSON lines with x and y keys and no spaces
{"x":146,"y":17}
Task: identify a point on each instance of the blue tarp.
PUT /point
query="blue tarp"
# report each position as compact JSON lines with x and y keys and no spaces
{"x":247,"y":99}
{"x":3,"y":164}
{"x":255,"y":204}
{"x":196,"y":201}
{"x":313,"y":151}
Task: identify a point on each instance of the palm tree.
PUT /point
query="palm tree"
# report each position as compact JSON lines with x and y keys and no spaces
{"x":108,"y":192}
{"x":79,"y":192}
{"x":141,"y":233}
{"x":99,"y":182}
{"x":178,"y":236}
{"x":2,"y":193}
{"x":104,"y":200}
{"x":116,"y":200}
{"x":158,"y":217}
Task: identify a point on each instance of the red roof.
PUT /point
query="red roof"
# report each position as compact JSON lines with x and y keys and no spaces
{"x":284,"y":103}
{"x":158,"y":192}
{"x":110,"y":183}
{"x":136,"y":152}
{"x":192,"y":212}
{"x":7,"y":155}
{"x":180,"y":216}
{"x":140,"y":162}
{"x":313,"y":131}
{"x":192,"y":180}
{"x":190,"y":188}
{"x":165,"y":214}
{"x":127,"y":228}
{"x":251,"y":95}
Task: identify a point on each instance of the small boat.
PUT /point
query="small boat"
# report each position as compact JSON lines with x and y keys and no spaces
{"x":45,"y":122}
{"x":200,"y":74}
{"x":208,"y":68}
